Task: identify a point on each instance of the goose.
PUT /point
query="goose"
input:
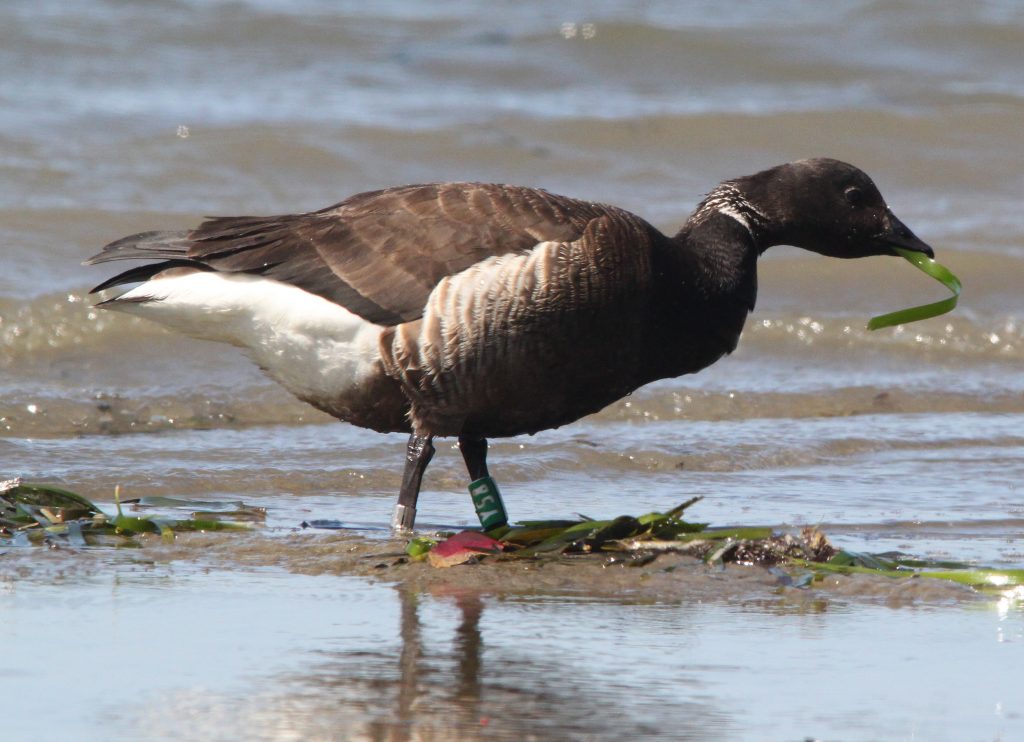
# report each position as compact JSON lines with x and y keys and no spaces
{"x":479,"y":310}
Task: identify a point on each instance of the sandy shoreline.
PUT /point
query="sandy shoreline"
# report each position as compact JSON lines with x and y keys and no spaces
{"x":667,"y":578}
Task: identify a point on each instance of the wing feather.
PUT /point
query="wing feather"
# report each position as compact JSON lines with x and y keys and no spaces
{"x":379,"y":253}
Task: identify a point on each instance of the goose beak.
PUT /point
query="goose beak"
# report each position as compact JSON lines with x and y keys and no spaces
{"x":899,"y":235}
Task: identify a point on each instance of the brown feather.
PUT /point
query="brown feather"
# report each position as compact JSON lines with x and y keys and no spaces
{"x":381,"y":253}
{"x":481,"y":360}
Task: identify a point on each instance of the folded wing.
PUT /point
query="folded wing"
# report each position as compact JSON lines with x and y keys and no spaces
{"x":379,"y":254}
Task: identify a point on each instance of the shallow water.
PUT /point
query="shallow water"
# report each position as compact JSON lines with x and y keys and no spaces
{"x":179,"y":652}
{"x":116,"y":118}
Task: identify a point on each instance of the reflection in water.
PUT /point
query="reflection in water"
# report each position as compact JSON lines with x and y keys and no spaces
{"x":464,"y":688}
{"x":431,"y":687}
{"x":430,"y":700}
{"x":348,"y":659}
{"x":467,"y":647}
{"x":409,"y":658}
{"x":467,"y":665}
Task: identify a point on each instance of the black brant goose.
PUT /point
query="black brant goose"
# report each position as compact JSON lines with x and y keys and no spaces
{"x":478,"y":310}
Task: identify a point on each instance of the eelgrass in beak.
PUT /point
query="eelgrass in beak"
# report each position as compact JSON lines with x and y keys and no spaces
{"x":940,"y":273}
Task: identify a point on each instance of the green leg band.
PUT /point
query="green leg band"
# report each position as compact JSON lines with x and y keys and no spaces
{"x":487,"y":501}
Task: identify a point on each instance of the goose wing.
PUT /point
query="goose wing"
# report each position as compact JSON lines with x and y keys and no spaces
{"x":379,"y":253}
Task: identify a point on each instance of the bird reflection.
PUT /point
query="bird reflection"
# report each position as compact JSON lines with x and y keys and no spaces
{"x":439,"y":679}
{"x":414,"y":671}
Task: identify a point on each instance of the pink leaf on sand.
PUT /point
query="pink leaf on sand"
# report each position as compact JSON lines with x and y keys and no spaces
{"x":461,"y":548}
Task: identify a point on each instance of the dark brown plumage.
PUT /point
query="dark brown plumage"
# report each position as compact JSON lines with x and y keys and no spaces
{"x":479,"y":310}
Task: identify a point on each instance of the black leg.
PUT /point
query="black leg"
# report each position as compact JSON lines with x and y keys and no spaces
{"x":418,"y":453}
{"x":474,"y":453}
{"x":486,"y":499}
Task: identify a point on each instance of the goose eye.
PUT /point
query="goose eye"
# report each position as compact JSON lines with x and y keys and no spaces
{"x":854,"y":196}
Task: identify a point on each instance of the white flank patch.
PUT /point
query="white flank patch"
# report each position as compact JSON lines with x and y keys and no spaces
{"x":313,"y":347}
{"x":465,"y":310}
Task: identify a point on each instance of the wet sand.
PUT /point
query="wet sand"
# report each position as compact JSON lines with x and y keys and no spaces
{"x":669,"y":577}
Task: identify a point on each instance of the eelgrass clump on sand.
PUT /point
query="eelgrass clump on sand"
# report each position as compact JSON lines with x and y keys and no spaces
{"x":35,"y":514}
{"x":640,"y":538}
{"x":637,"y":541}
{"x":42,"y":513}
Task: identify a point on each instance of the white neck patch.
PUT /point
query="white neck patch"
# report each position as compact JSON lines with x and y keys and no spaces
{"x":727,"y":200}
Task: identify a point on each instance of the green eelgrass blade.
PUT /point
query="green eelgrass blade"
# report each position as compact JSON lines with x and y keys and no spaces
{"x":20,"y":501}
{"x":156,"y":501}
{"x":846,"y":558}
{"x":34,"y":513}
{"x":130,"y":524}
{"x":940,"y":273}
{"x":981,"y":578}
{"x":198,"y":524}
{"x":166,"y":529}
{"x":418,"y":547}
{"x":743,"y":533}
{"x":525,"y":536}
